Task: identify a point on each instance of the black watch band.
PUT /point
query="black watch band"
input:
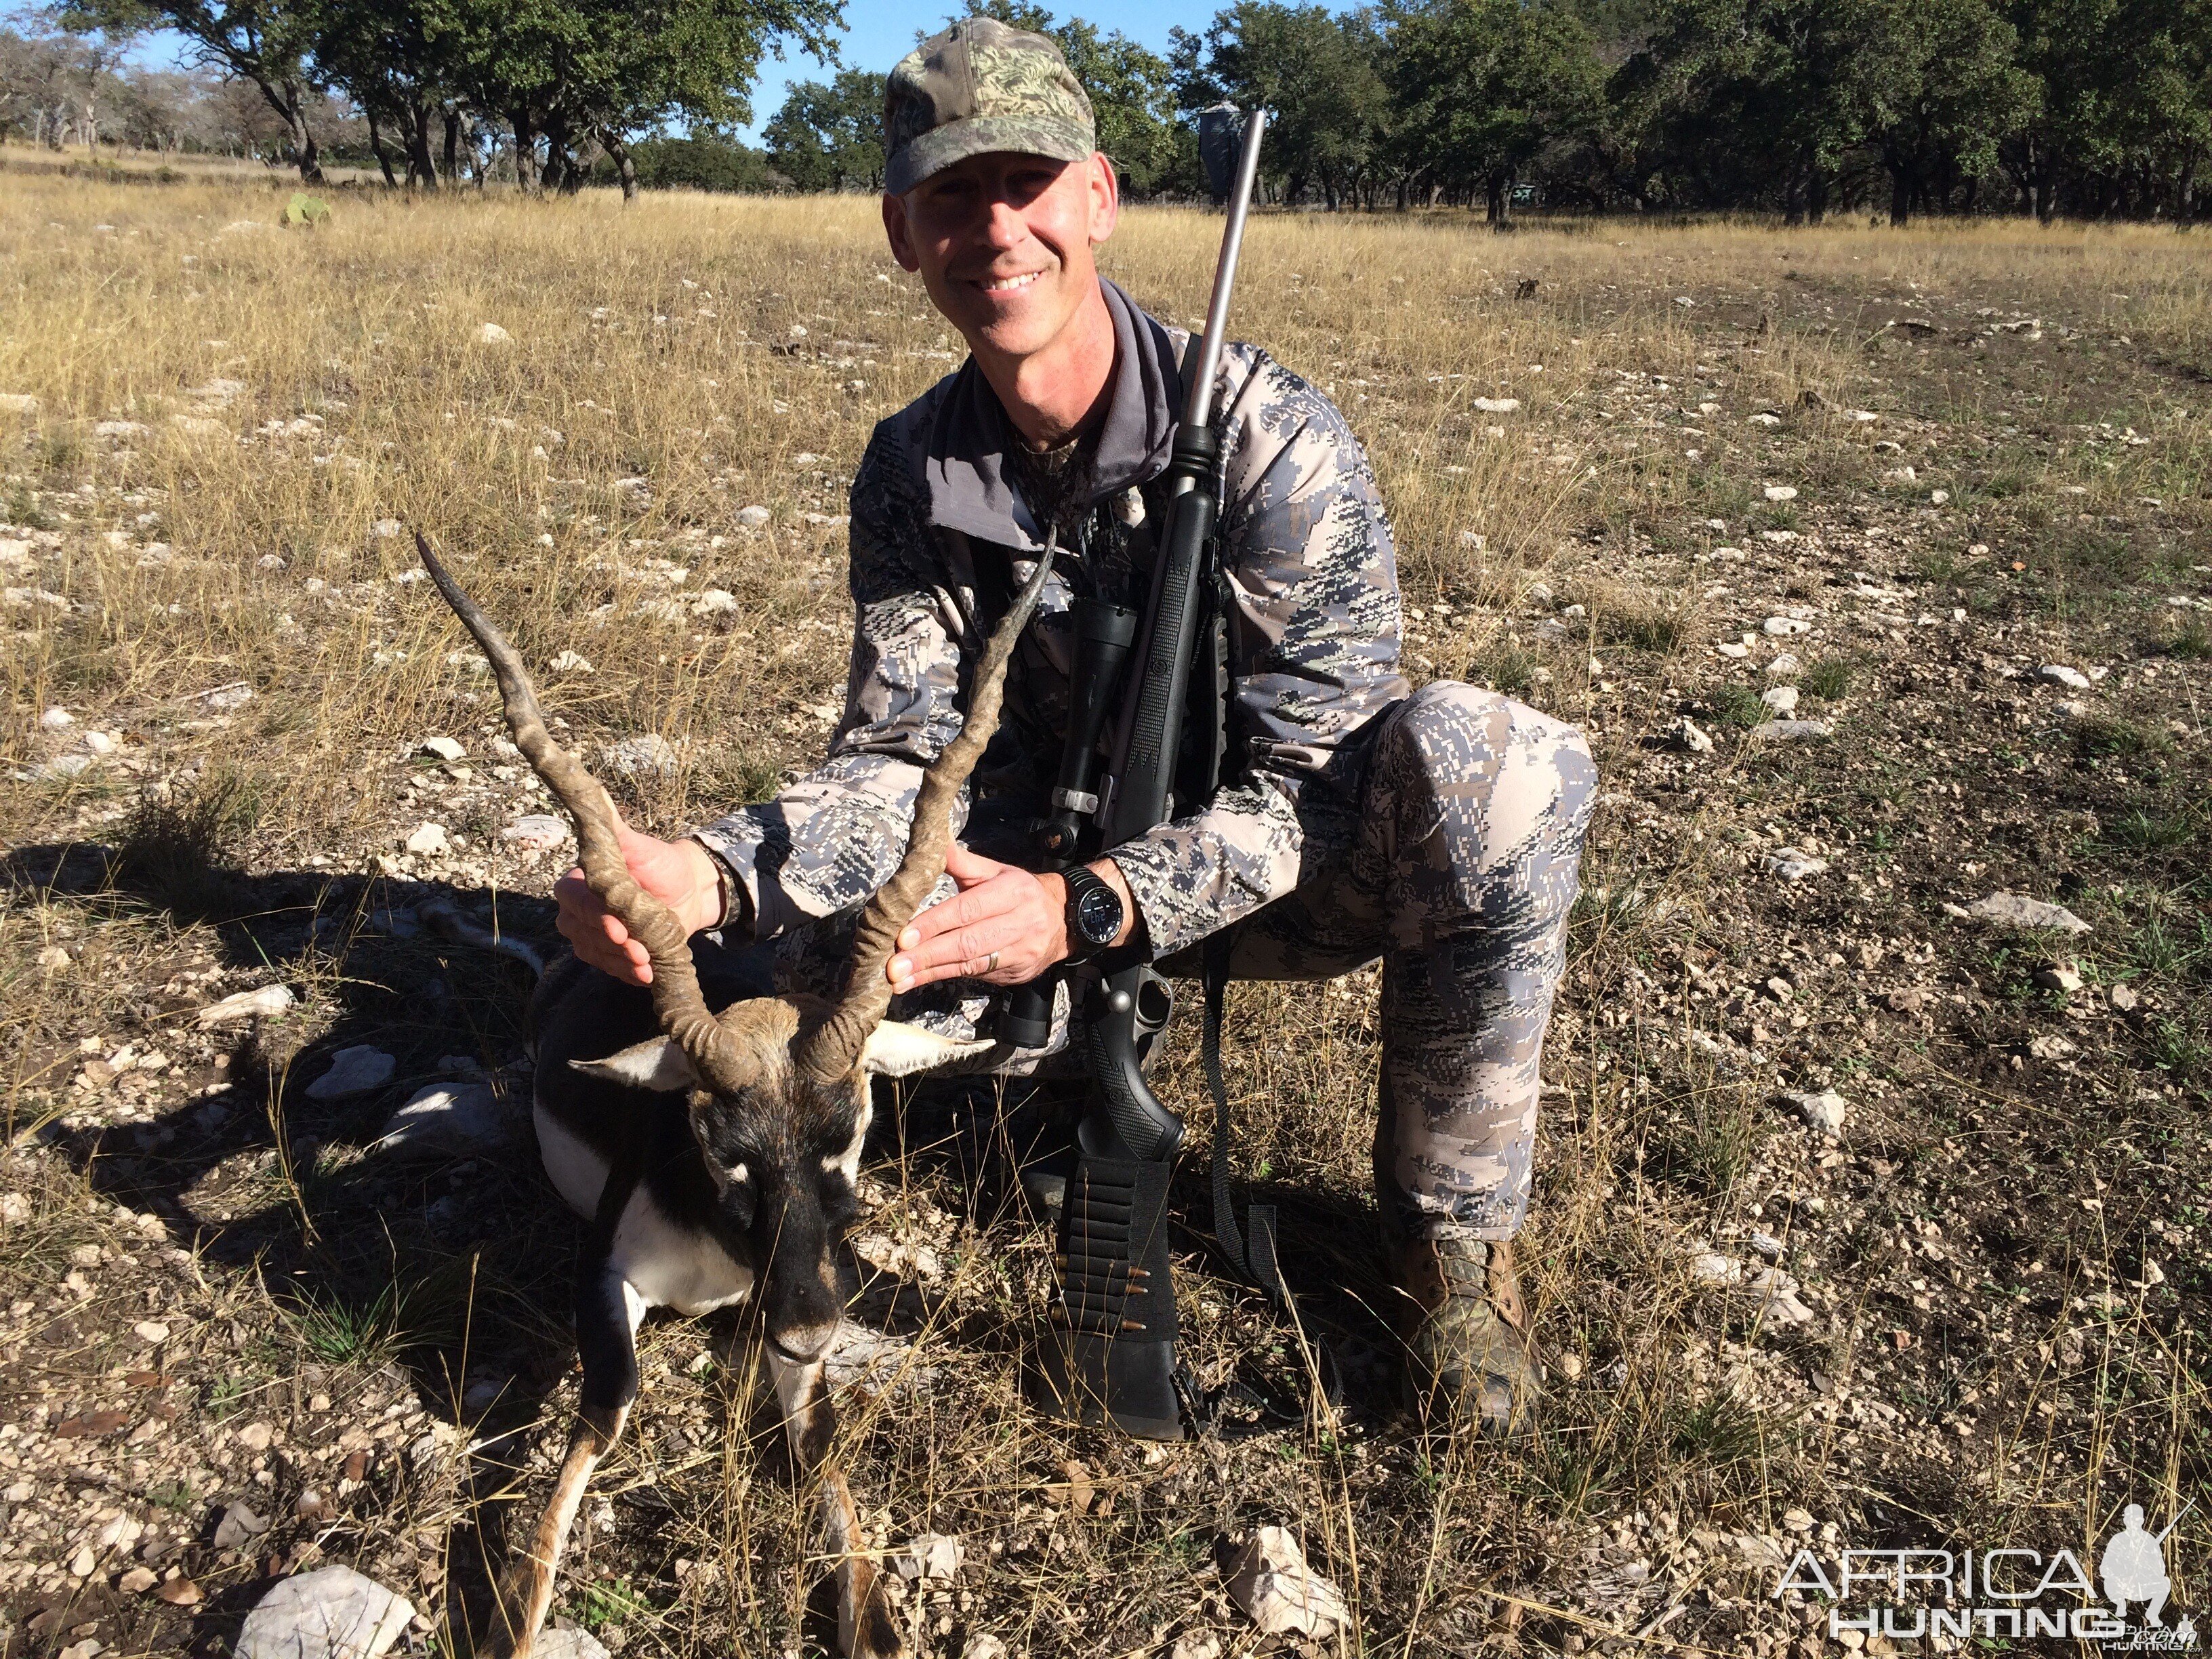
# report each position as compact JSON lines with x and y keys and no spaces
{"x":1095,"y":913}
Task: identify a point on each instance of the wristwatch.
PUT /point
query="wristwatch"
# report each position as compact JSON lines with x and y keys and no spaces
{"x":1094,"y":913}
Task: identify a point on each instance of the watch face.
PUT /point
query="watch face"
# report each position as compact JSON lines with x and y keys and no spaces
{"x":1098,"y":915}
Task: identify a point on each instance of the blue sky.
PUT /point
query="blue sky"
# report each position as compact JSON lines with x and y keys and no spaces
{"x":878,"y":33}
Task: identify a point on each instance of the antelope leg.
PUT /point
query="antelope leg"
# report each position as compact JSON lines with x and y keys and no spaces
{"x":608,"y":1312}
{"x":865,"y":1626}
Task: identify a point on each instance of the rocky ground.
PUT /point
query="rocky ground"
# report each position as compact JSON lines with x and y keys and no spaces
{"x":1871,"y":1210}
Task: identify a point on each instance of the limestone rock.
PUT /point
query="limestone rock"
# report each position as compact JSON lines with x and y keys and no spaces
{"x":1824,"y":1111}
{"x":1498,"y":405}
{"x":56,"y":719}
{"x":647,"y":752}
{"x":333,"y":1612}
{"x":460,"y":1118}
{"x":1790,"y":865}
{"x":265,"y":1003}
{"x":446,"y":749}
{"x":1790,"y":731}
{"x":493,"y":334}
{"x":1781,"y":492}
{"x":570,"y":662}
{"x":2058,"y":673}
{"x":2011,"y":910}
{"x":1269,"y":1579}
{"x":540,"y":832}
{"x":1781,"y":699}
{"x":574,"y":1642}
{"x":752,"y":518}
{"x":1687,"y":734}
{"x":354,"y":1071}
{"x":239,"y":1528}
{"x":428,"y":841}
{"x":1777,"y":627}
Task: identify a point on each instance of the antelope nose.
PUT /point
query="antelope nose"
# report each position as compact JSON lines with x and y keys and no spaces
{"x":802,"y":1345}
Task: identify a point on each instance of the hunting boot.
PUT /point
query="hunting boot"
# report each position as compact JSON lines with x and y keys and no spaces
{"x":1466,"y":1330}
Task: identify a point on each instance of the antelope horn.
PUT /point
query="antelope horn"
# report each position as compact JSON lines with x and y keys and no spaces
{"x":833,"y":1049}
{"x":676,"y":1000}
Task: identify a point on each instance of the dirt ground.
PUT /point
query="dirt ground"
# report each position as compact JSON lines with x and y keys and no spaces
{"x":1863,"y":1220}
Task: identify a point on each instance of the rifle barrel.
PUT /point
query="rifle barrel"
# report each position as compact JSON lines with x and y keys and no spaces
{"x":1198,"y":407}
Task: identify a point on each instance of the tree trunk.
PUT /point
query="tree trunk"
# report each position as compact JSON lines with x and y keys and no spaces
{"x":625,"y":164}
{"x":1900,"y":196}
{"x":452,"y":168}
{"x":526,"y":153}
{"x":1498,"y":197}
{"x":285,"y":100}
{"x":376,"y":143}
{"x":421,"y":168}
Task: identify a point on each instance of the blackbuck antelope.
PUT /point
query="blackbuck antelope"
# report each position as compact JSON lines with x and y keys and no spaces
{"x":716,"y":1150}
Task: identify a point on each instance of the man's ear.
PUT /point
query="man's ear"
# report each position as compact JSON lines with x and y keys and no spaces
{"x":657,"y":1064}
{"x":896,"y":232}
{"x":1105,"y":198}
{"x":897,"y":1049}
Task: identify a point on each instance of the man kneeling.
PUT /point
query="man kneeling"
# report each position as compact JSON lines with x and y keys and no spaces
{"x":1438,"y":830}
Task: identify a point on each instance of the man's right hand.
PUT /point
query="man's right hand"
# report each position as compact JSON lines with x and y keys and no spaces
{"x":681,"y":874}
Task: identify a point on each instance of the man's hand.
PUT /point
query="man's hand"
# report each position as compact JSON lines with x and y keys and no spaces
{"x":681,"y":874}
{"x":1005,"y":927}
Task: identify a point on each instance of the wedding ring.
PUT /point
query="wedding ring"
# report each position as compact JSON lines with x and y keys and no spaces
{"x":991,"y":963}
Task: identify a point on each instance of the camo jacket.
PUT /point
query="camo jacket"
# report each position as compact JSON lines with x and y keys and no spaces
{"x":940,"y":535}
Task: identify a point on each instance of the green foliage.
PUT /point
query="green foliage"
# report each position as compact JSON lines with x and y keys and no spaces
{"x":703,"y":162}
{"x":306,"y":209}
{"x":830,"y":138}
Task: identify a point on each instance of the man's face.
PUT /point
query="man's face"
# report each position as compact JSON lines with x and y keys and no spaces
{"x":1004,"y":243}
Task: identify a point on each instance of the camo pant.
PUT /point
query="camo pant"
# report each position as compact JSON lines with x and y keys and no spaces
{"x":1459,"y":879}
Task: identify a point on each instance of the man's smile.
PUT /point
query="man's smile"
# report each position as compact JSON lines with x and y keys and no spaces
{"x":1007,"y":284}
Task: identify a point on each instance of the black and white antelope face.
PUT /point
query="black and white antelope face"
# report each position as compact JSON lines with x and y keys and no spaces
{"x":783,"y":1148}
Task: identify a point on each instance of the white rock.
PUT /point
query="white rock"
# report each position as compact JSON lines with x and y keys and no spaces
{"x":1197,"y":1644}
{"x":752,"y":517}
{"x":1783,"y":666}
{"x":929,"y":1555}
{"x":446,"y":749}
{"x":2011,"y":910}
{"x":1688,"y":735}
{"x":18,"y":402}
{"x":570,"y":662}
{"x":428,"y":841}
{"x":1777,"y":627}
{"x":53,"y":957}
{"x":462,"y":1118}
{"x":1790,"y":731}
{"x":1781,"y":699}
{"x":574,"y":1643}
{"x":647,"y":752}
{"x":384,"y":529}
{"x":1783,"y":1307}
{"x":807,"y":457}
{"x":1790,"y":865}
{"x":1939,"y":497}
{"x":265,"y":1003}
{"x":2073,"y":678}
{"x":120,"y":429}
{"x":984,"y":1645}
{"x":715,"y":602}
{"x":56,"y":718}
{"x":1711,"y":1267}
{"x":1269,"y":1579}
{"x":332,"y":1612}
{"x":1735,"y":648}
{"x":1824,"y":1111}
{"x":354,"y":1071}
{"x":151,"y":1331}
{"x":540,"y":832}
{"x":857,"y":1355}
{"x":493,"y":334}
{"x":1781,"y":492}
{"x":1763,"y":418}
{"x":1498,"y":405}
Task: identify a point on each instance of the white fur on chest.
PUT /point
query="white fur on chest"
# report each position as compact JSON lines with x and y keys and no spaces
{"x":669,"y":1265}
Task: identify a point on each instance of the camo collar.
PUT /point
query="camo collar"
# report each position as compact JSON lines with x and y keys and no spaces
{"x":965,"y":437}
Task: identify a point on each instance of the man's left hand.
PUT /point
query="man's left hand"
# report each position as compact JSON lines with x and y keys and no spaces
{"x":1005,"y":927}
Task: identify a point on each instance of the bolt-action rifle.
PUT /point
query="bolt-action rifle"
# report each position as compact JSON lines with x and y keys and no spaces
{"x":1111,"y":1357}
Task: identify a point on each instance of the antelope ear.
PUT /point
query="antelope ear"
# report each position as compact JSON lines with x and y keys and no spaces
{"x":898,"y":1049}
{"x":657,"y":1064}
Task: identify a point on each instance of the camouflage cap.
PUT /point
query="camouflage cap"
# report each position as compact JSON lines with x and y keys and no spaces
{"x":979,"y":87}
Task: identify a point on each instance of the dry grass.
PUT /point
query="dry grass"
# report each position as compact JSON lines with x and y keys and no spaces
{"x":669,"y":365}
